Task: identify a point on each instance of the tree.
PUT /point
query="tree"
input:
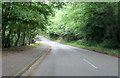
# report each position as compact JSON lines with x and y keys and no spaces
{"x":20,"y":19}
{"x":92,"y":22}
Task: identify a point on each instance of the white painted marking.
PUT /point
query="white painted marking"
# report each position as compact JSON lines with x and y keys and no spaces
{"x":90,"y":64}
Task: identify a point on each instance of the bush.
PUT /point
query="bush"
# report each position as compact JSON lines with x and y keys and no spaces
{"x":110,"y":44}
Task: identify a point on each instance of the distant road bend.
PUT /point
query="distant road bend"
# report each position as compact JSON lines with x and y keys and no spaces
{"x":65,"y":60}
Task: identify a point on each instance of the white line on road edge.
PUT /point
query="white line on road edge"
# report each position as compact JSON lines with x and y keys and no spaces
{"x":90,"y":63}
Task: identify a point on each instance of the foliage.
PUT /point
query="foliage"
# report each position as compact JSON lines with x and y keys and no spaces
{"x":85,"y":23}
{"x":22,"y":21}
{"x":93,"y":23}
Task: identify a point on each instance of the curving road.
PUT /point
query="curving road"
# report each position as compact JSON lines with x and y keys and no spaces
{"x":66,"y":60}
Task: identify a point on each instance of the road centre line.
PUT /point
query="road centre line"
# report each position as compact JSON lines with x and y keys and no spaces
{"x":90,"y":64}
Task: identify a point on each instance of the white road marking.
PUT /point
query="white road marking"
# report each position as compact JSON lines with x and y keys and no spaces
{"x":90,"y":64}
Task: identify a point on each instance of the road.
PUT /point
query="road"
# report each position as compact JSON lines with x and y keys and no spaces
{"x":65,"y":60}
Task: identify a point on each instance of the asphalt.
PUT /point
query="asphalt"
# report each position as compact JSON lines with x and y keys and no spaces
{"x":65,"y":60}
{"x":15,"y":64}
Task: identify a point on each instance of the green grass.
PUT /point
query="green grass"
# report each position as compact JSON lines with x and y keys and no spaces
{"x":94,"y":48}
{"x":35,"y":45}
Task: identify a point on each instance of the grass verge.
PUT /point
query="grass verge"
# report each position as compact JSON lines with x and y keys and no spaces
{"x":112,"y":52}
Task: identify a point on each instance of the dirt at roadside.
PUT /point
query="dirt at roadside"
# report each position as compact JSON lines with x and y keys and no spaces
{"x":13,"y":50}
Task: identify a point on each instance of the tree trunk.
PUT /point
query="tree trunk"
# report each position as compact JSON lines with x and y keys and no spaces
{"x":18,"y":34}
{"x":7,"y":43}
{"x":23,"y":41}
{"x":3,"y":36}
{"x":29,"y":39}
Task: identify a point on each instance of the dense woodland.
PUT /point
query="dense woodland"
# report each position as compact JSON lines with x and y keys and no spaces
{"x":84,"y":23}
{"x":87,"y":24}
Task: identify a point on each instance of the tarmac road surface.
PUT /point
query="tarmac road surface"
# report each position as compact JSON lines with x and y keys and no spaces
{"x":65,"y":60}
